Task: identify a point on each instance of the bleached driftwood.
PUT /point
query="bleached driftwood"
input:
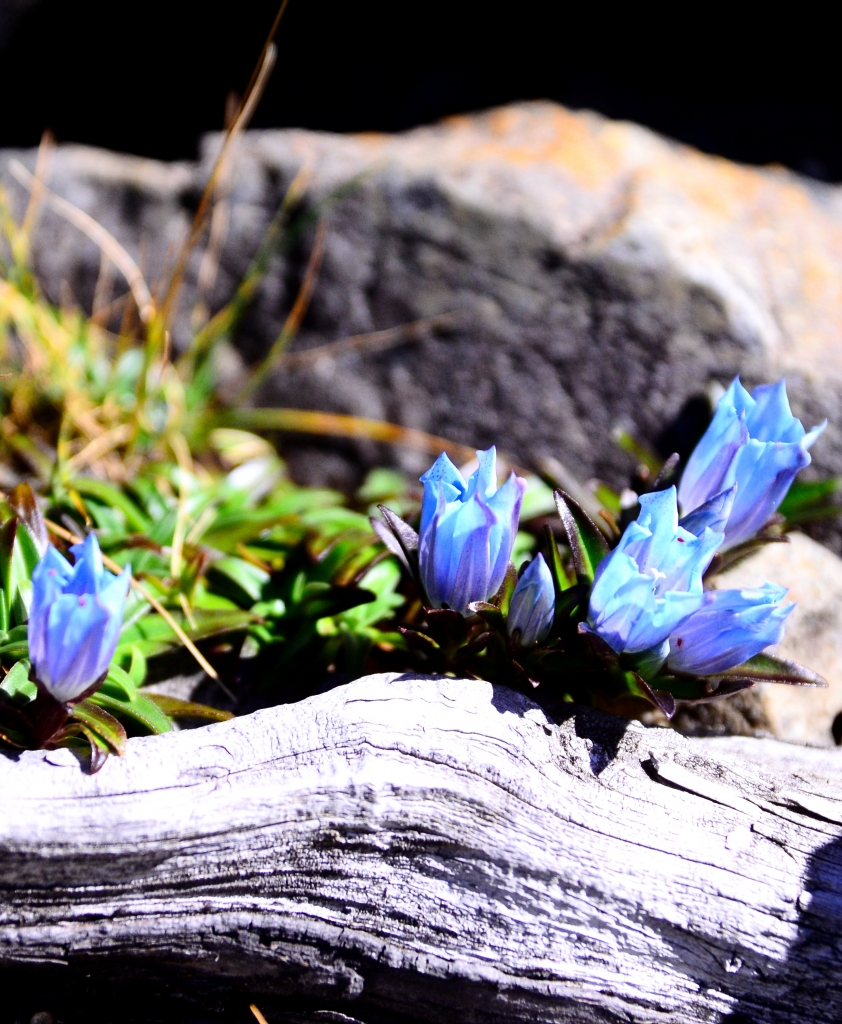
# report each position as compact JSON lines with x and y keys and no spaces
{"x":403,"y":849}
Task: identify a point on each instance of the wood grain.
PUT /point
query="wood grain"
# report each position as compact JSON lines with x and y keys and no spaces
{"x":436,"y":850}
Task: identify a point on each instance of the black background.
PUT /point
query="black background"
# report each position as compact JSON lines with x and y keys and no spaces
{"x":150,"y":77}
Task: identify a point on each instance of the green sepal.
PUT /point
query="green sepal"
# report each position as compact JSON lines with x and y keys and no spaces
{"x":587,"y":543}
{"x":663,"y":700}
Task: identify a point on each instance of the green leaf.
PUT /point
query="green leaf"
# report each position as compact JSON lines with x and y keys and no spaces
{"x":662,"y":699}
{"x":108,"y":494}
{"x":137,"y":667}
{"x":101,"y":723}
{"x":17,"y":682}
{"x":806,"y":498}
{"x":700,"y":689}
{"x":175,"y":708}
{"x":119,"y":684}
{"x":382,"y":580}
{"x":561,"y":580}
{"x":7,"y":544}
{"x":248,"y":580}
{"x":153,"y":634}
{"x":639,"y":451}
{"x":142,"y":710}
{"x":586,"y":542}
{"x":767,"y":668}
{"x":18,"y":557}
{"x":537,"y":499}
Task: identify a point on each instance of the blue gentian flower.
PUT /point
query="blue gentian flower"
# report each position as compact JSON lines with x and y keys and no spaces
{"x":755,"y":443}
{"x":533,"y":603}
{"x":75,"y":619}
{"x":652,"y":581}
{"x":467,"y":531}
{"x":730,"y":627}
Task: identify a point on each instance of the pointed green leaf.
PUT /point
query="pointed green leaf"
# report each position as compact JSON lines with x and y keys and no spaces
{"x":17,"y":683}
{"x":767,"y":668}
{"x":101,"y":723}
{"x":114,"y":497}
{"x":176,"y":708}
{"x":701,"y":690}
{"x":119,"y":684}
{"x":561,"y":581}
{"x":586,"y":541}
{"x":137,"y":667}
{"x":8,"y":532}
{"x":153,"y":634}
{"x":662,"y":699}
{"x":142,"y":710}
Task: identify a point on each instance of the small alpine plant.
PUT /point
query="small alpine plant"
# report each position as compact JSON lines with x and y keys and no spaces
{"x":75,"y":620}
{"x":615,"y":617}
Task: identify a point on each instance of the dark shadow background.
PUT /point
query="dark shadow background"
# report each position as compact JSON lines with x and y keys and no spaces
{"x":149,"y":78}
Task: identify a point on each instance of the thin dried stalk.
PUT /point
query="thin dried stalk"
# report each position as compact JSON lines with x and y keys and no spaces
{"x":373,"y":341}
{"x":246,"y":113}
{"x":100,"y":446}
{"x":42,"y":162}
{"x":293,"y":320}
{"x":97,"y":234}
{"x":332,"y":424}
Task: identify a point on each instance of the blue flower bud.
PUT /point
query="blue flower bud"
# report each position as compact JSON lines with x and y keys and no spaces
{"x":755,"y":443}
{"x":652,"y":581}
{"x":533,"y":603}
{"x":75,"y":619}
{"x":730,"y":627}
{"x":467,"y":531}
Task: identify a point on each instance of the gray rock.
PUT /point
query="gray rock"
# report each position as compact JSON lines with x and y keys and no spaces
{"x":602,"y":276}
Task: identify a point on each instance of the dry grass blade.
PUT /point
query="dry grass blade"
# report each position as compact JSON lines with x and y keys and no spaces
{"x":100,"y":445}
{"x":223,"y":322}
{"x":245,"y":115}
{"x":332,"y":424}
{"x":45,"y":151}
{"x":293,"y":321}
{"x":60,"y":531}
{"x":374,"y":341}
{"x":97,"y":234}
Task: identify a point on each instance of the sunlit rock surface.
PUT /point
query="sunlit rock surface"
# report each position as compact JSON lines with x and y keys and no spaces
{"x":600,"y":274}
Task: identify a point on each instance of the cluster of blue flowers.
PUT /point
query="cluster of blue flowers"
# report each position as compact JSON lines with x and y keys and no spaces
{"x":648,"y":599}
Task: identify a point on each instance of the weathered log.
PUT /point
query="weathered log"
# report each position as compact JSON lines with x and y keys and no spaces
{"x":406,"y":849}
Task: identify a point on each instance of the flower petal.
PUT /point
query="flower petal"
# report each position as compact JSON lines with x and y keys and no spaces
{"x":731,"y":627}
